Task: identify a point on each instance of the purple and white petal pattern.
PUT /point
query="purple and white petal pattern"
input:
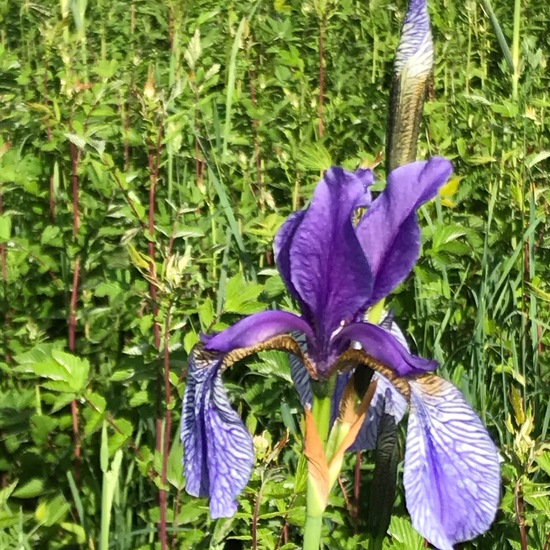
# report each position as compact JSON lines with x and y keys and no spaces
{"x":255,"y":329}
{"x":218,"y":450}
{"x":452,"y":474}
{"x":328,"y":268}
{"x":389,"y":231}
{"x":383,"y":346}
{"x":300,"y":375}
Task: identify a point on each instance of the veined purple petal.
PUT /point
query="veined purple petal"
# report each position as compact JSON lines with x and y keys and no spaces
{"x":452,"y":474}
{"x":415,"y":51}
{"x":386,"y":348}
{"x":327,"y":266}
{"x":255,"y":329}
{"x":218,"y":450}
{"x":389,"y":232}
{"x":300,"y":375}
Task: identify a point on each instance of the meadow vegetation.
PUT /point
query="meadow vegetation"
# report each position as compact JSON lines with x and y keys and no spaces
{"x":149,"y":151}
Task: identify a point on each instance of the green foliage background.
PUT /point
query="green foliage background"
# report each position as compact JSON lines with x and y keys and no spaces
{"x":149,"y":150}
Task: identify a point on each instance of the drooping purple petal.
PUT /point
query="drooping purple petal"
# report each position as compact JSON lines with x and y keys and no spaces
{"x":327,"y":266}
{"x":255,"y":329}
{"x":452,"y":474}
{"x":218,"y":451}
{"x":389,"y":232}
{"x":386,"y":348}
{"x":300,"y":375}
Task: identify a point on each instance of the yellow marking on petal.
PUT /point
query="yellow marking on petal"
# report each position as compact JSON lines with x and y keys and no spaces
{"x":431,"y":384}
{"x":278,"y":343}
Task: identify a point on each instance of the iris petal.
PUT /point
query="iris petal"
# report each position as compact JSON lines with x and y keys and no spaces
{"x":300,"y":375}
{"x":281,"y":248}
{"x":452,"y":477}
{"x":255,"y":329}
{"x":327,"y":266}
{"x":386,"y":348}
{"x":218,"y":450}
{"x":389,"y":232}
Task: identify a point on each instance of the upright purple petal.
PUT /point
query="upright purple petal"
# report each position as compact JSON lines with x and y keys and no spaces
{"x":452,"y":474}
{"x":281,"y":248}
{"x":389,"y":232}
{"x":327,"y":266}
{"x":386,"y":348}
{"x":413,"y":65}
{"x":218,"y":450}
{"x":255,"y":329}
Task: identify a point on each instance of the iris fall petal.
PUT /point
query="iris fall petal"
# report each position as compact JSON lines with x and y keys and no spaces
{"x":452,"y":475}
{"x":218,"y":450}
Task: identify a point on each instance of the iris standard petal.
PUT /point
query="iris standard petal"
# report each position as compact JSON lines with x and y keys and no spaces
{"x":255,"y":329}
{"x":389,"y":231}
{"x":386,"y":348}
{"x":327,"y":266}
{"x":452,"y":474}
{"x":281,"y":248}
{"x":218,"y":450}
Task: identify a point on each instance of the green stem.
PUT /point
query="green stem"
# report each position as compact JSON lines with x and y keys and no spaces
{"x":321,"y":414}
{"x":376,"y":543}
{"x":315,"y":503}
{"x":312,"y":530}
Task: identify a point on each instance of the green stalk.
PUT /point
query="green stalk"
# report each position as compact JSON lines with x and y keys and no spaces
{"x":515,"y":49}
{"x":315,"y":503}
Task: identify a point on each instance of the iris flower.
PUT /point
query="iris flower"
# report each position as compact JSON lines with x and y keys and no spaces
{"x":336,"y":267}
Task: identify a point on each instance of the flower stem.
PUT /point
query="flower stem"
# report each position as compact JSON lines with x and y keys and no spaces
{"x":316,"y":500}
{"x":312,"y":530}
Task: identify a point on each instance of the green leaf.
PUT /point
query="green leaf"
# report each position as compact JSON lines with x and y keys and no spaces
{"x":5,"y":228}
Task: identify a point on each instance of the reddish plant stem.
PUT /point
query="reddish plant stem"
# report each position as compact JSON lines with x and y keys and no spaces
{"x":283,"y":535}
{"x":520,"y":514}
{"x":356,"y":491}
{"x":349,"y":505}
{"x":154,"y":160}
{"x":257,"y":158}
{"x":167,"y":423}
{"x":75,"y":160}
{"x":322,"y":30}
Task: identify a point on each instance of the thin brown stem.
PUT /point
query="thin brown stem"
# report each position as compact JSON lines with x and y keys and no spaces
{"x":519,"y":506}
{"x":255,"y":124}
{"x":154,"y":160}
{"x":320,"y":113}
{"x":167,"y":423}
{"x":356,"y":491}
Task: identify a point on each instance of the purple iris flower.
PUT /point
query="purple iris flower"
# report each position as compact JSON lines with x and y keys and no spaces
{"x":337,"y":267}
